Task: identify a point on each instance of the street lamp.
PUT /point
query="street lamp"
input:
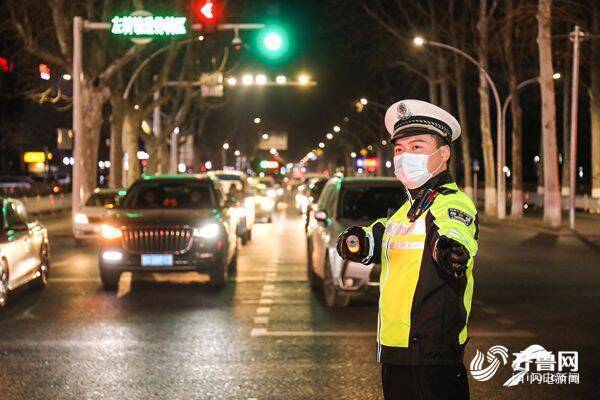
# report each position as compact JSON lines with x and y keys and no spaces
{"x":329,"y":136}
{"x":304,"y":79}
{"x":281,"y":79}
{"x":322,"y":145}
{"x":363,"y":101}
{"x":231,"y":81}
{"x":336,"y":129}
{"x":500,"y":135}
{"x":225,"y":146}
{"x":247,"y":79}
{"x":237,"y":153}
{"x":265,"y":136}
{"x":261,"y":79}
{"x":257,"y":120}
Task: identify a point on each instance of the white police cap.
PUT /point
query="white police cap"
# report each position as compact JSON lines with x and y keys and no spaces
{"x":416,"y":117}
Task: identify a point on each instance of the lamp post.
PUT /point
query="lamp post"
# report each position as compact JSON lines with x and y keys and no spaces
{"x":501,"y":137}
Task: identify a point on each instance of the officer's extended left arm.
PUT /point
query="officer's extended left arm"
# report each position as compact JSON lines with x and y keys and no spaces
{"x":454,"y":242}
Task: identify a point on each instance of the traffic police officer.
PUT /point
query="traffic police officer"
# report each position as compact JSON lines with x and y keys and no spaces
{"x":426,"y":249}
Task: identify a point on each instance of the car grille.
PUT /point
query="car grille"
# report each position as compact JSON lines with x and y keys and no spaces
{"x":157,"y":240}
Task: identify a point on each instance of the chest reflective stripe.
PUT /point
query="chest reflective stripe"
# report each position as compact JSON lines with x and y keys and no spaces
{"x":404,"y":242}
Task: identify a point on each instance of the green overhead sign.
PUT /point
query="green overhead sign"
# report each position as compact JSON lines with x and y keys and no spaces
{"x":148,"y":25}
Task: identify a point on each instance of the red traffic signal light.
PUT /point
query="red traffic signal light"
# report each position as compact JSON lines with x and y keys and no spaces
{"x":206,"y":11}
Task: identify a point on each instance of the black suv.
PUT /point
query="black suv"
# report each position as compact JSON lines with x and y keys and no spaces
{"x":170,"y":223}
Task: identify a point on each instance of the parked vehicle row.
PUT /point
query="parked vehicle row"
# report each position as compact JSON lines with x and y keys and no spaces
{"x":341,"y":203}
{"x":24,"y":249}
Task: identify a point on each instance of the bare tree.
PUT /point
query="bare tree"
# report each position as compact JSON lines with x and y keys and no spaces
{"x":55,"y":19}
{"x":552,"y":210}
{"x":595,"y":100}
{"x":516,"y":210}
{"x":487,"y":144}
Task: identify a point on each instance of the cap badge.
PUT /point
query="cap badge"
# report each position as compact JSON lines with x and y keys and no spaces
{"x":403,"y":112}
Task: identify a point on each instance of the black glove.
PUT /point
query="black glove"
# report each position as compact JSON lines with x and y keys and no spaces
{"x":353,"y":244}
{"x":451,"y":255}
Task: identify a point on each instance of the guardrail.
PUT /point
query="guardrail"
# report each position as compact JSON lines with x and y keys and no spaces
{"x":585,"y":202}
{"x":47,"y":204}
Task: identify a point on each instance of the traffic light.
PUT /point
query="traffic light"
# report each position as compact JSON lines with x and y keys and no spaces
{"x":273,"y":42}
{"x":206,"y":12}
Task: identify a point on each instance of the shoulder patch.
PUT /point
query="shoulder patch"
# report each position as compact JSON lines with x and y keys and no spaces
{"x":460,"y":216}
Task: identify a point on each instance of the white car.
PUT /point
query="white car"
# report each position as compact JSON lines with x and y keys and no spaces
{"x":236,"y":184}
{"x":345,"y":202}
{"x":87,"y":222}
{"x":24,"y":249}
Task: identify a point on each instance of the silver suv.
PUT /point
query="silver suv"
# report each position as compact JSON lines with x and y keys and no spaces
{"x":345,"y":202}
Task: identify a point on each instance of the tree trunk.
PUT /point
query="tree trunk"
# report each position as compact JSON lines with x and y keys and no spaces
{"x":86,"y":152}
{"x":516,"y":209}
{"x":446,"y":102}
{"x":462,"y":117}
{"x":484,"y":105}
{"x":116,"y":142}
{"x":566,"y":131}
{"x":164,"y":157}
{"x":130,"y":147}
{"x":431,"y":83}
{"x":151,"y":145}
{"x":552,"y":211}
{"x":595,"y":102}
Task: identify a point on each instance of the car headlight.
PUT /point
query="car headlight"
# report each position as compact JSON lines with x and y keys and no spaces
{"x":110,"y":232}
{"x":80,"y":218}
{"x":271,"y":193}
{"x":209,"y":231}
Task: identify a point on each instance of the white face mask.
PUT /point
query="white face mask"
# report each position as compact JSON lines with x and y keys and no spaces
{"x":411,"y":169}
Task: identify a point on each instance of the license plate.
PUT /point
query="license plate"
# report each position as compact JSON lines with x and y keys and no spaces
{"x":157,"y":260}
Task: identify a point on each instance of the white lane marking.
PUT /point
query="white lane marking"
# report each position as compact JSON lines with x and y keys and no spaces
{"x":261,"y":279}
{"x":261,"y":320}
{"x":271,"y":274}
{"x":124,"y":284}
{"x":68,"y":279}
{"x":263,"y":332}
{"x":265,"y":301}
{"x":268,"y":293}
{"x":279,"y":303}
{"x":268,"y":287}
{"x":258,"y":332}
{"x":263,"y":310}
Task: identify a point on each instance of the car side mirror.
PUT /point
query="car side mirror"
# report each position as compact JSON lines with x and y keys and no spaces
{"x":321,"y":216}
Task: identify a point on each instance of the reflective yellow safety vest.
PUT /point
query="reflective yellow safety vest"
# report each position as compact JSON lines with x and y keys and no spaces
{"x":423,"y":309}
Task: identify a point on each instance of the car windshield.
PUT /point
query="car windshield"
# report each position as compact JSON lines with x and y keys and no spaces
{"x":316,"y":189}
{"x":230,"y":177}
{"x":169,"y":194}
{"x":107,"y":200}
{"x":369,"y":203}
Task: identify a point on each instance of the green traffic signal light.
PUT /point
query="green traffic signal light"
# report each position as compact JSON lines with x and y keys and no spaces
{"x":273,"y":42}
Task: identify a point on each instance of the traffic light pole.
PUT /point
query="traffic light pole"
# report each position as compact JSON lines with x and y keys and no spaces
{"x":79,"y":27}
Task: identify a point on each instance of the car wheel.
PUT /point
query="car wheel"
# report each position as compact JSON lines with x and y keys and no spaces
{"x":3,"y":283}
{"x":110,"y":279}
{"x":218,"y":278}
{"x":249,"y":234}
{"x":232,"y":267}
{"x":244,"y":238}
{"x":313,"y":279}
{"x":333,"y":297}
{"x":42,"y":280}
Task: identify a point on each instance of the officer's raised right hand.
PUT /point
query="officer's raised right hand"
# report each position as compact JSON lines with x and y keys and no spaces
{"x":353,"y":244}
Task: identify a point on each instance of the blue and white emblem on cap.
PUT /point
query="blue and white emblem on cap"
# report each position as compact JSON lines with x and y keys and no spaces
{"x":403,"y":112}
